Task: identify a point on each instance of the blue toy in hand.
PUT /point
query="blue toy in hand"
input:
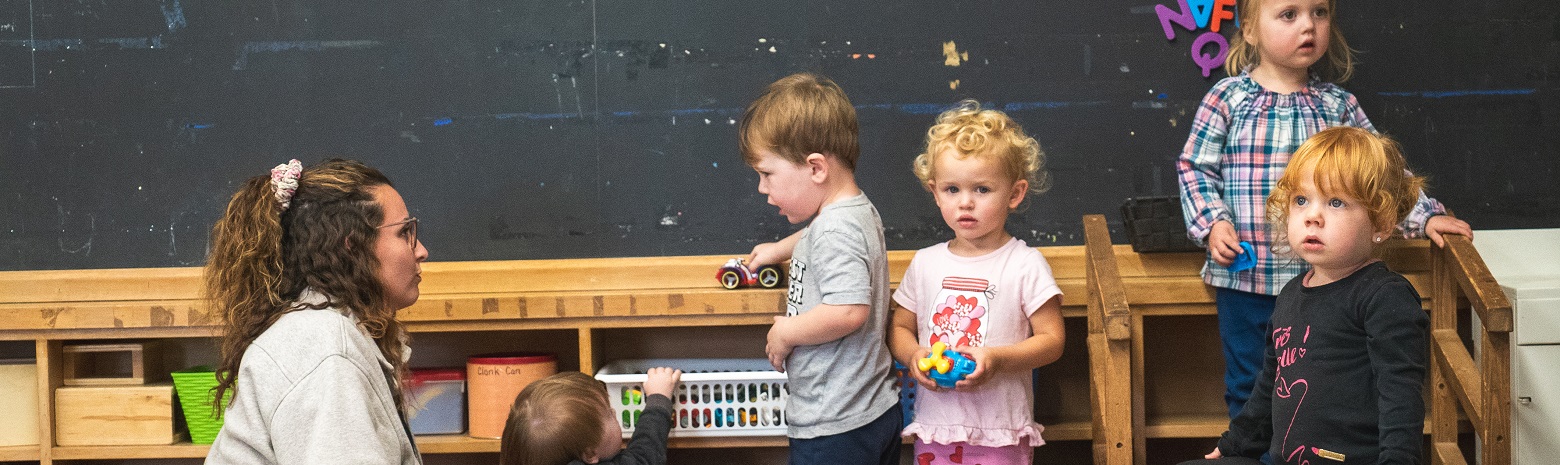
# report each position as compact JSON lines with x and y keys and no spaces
{"x":1246,"y":260}
{"x":944,"y":366}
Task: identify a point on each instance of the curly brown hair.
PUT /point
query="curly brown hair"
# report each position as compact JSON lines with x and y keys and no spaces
{"x":262,"y":257}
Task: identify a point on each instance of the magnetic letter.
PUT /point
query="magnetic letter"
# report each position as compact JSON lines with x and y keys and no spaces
{"x":1220,"y":14}
{"x":1209,"y":62}
{"x":1184,"y":19}
{"x":1201,"y":10}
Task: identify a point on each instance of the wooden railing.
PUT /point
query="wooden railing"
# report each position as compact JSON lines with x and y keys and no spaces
{"x":1124,"y":286}
{"x":1480,"y":391}
{"x":1118,"y":408}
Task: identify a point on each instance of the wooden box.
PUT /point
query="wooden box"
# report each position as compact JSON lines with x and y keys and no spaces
{"x":115,"y":415}
{"x":19,"y":407}
{"x":109,"y":364}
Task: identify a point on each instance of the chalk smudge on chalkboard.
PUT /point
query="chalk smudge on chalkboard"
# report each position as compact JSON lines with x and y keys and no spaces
{"x":579,"y":108}
{"x":498,"y":230}
{"x":173,"y":238}
{"x":1458,"y":93}
{"x":86,"y":247}
{"x":298,"y":45}
{"x":174,"y":15}
{"x":708,"y":115}
{"x":122,"y":43}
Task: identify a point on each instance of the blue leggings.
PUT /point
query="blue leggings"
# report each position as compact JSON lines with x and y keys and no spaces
{"x":1243,"y":329}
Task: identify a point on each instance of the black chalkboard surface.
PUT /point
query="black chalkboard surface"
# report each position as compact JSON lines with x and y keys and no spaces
{"x":521,"y":129}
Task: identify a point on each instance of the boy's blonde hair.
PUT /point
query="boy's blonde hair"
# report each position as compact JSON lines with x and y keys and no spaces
{"x":973,"y":132}
{"x":555,"y":420}
{"x":1336,"y":66}
{"x":1352,"y":162}
{"x":798,"y":115}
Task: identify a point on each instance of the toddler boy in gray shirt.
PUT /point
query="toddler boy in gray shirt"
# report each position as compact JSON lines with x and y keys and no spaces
{"x":800,"y":137}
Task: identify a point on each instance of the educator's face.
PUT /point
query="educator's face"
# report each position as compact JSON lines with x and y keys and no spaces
{"x":399,"y":251}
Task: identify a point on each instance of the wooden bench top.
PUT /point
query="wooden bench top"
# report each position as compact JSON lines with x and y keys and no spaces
{"x":511,"y":294}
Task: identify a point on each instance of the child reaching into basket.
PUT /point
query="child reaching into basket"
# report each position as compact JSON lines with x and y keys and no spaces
{"x":985,"y":294}
{"x":567,"y":418}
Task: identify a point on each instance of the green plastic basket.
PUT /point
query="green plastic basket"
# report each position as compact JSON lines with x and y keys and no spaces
{"x":194,"y":387}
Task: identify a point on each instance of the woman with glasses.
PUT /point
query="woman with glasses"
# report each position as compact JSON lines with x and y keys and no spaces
{"x":308,"y":268}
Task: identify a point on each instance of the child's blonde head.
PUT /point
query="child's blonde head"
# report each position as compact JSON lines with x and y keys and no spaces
{"x":972,"y":132}
{"x":555,"y":420}
{"x":1336,"y":66}
{"x":1350,"y":162}
{"x":799,"y":115}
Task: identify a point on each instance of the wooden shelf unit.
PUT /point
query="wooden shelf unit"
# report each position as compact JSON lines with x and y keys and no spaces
{"x":18,"y":453}
{"x":585,"y":306}
{"x":591,"y":311}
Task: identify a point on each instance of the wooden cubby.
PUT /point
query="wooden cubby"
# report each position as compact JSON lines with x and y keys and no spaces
{"x":592,"y":311}
{"x":588,"y":312}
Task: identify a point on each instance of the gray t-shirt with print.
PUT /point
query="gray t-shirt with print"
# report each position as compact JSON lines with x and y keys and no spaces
{"x":843,"y":384}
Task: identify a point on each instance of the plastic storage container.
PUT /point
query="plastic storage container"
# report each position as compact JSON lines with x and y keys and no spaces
{"x":716,"y":397}
{"x":907,"y":390}
{"x":438,"y":400}
{"x":495,"y":380}
{"x":194,"y":386}
{"x":1156,"y":224}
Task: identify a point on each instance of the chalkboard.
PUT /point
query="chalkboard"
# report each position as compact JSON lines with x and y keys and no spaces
{"x":520,"y":129}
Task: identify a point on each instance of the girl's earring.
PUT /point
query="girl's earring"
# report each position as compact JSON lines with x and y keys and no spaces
{"x":1379,"y":239}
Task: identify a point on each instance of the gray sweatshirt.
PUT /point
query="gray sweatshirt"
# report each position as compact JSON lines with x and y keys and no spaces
{"x":313,"y":389}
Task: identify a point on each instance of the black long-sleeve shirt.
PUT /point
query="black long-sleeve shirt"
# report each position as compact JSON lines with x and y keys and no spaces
{"x":648,"y":444}
{"x":1343,"y":375}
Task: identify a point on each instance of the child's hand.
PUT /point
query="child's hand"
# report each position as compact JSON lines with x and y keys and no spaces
{"x":984,"y":368}
{"x":1443,"y":224}
{"x":1215,"y":455}
{"x":1224,"y":243}
{"x":662,"y":380}
{"x":768,"y":253}
{"x":920,"y":376}
{"x":772,"y":253}
{"x":777,"y":348}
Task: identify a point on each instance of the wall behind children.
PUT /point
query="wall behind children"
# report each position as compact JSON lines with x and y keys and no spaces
{"x":522,"y":129}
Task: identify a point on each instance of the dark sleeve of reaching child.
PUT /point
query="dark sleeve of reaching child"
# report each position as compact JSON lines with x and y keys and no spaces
{"x":1395,"y":326}
{"x":1251,"y":432}
{"x":648,"y":446}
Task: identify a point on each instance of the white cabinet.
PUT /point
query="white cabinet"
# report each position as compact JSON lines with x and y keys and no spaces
{"x":1526,"y":263}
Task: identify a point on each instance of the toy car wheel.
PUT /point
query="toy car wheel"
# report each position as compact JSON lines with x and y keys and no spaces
{"x":730,"y":279}
{"x":769,"y":277}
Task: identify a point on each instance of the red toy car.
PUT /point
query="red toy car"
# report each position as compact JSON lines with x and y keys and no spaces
{"x":735,"y":274}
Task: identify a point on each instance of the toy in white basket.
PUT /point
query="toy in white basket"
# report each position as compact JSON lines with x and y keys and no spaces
{"x":716,"y":397}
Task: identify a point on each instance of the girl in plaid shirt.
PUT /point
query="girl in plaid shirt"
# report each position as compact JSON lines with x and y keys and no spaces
{"x":1290,"y":56}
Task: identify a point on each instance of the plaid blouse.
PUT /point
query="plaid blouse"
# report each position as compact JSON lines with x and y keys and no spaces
{"x":1241,"y":140}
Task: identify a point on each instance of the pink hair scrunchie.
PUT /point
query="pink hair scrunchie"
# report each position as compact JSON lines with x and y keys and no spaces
{"x":284,"y":178}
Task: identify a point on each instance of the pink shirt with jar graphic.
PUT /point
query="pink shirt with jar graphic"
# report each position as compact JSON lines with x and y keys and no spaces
{"x":977,"y":301}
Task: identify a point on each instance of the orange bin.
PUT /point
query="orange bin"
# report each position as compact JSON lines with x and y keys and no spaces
{"x":493,"y":381}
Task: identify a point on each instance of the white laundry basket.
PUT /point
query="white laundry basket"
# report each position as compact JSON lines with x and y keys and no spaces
{"x":716,"y":397}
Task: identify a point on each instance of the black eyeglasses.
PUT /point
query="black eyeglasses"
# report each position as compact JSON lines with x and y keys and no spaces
{"x":410,"y":231}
